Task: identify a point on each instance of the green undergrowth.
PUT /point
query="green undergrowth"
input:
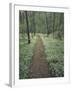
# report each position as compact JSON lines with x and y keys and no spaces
{"x":25,"y":54}
{"x":54,"y":50}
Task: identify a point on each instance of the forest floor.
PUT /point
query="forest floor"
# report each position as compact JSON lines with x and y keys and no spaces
{"x":39,"y":65}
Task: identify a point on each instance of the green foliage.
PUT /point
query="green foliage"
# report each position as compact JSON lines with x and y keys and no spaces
{"x":51,"y":26}
{"x":25,"y":55}
{"x":43,"y":22}
{"x":54,"y":50}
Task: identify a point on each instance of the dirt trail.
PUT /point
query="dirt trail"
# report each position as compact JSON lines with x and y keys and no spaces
{"x":39,"y":66}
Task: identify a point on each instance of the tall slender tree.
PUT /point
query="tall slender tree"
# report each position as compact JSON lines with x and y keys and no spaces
{"x":20,"y":17}
{"x":27,"y":23}
{"x":34,"y":28}
{"x":53,"y":23}
{"x":47,"y":23}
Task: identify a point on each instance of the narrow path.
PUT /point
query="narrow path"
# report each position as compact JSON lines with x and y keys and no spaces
{"x":39,"y":66}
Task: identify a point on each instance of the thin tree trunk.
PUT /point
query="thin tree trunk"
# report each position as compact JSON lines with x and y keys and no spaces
{"x":34,"y":29}
{"x":47,"y":24}
{"x":28,"y":33}
{"x":53,"y":23}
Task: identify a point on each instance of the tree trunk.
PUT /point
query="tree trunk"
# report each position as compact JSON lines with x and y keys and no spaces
{"x":34,"y":28}
{"x":53,"y":23}
{"x":47,"y":24}
{"x":27,"y":23}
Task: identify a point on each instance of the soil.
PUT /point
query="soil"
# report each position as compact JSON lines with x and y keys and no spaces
{"x":39,"y":66}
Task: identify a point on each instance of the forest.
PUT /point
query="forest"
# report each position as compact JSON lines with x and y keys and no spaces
{"x":41,"y":44}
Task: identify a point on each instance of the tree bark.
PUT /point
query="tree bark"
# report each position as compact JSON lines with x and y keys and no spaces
{"x":27,"y":23}
{"x":53,"y":23}
{"x":34,"y":28}
{"x":47,"y":24}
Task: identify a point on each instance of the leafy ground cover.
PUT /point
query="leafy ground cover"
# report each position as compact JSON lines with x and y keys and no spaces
{"x":54,"y":50}
{"x":25,"y":55}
